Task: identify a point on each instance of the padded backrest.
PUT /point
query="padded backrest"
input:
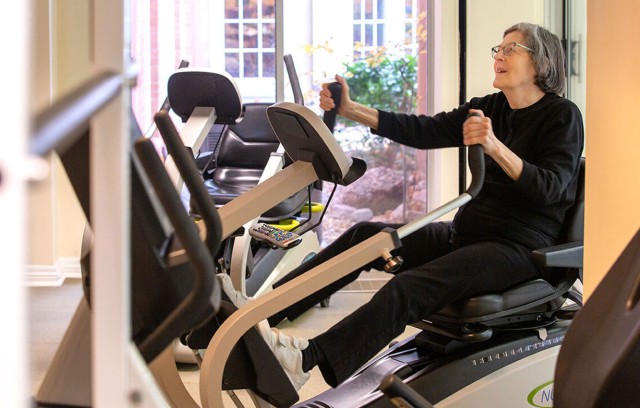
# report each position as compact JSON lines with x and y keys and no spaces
{"x":254,"y":126}
{"x":573,"y":229}
{"x":250,"y":142}
{"x":188,"y":88}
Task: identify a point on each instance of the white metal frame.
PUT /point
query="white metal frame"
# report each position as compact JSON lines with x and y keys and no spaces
{"x":14,"y":24}
{"x":110,"y":290}
{"x":119,"y":376}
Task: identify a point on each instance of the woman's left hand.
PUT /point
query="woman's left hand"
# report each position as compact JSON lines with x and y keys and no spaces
{"x":477,"y":129}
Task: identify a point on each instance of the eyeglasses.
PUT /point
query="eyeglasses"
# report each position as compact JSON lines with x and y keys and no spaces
{"x":508,"y":49}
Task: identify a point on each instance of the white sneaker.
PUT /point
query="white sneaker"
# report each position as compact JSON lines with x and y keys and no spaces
{"x":287,"y":349}
{"x":238,"y":298}
{"x":288,"y":352}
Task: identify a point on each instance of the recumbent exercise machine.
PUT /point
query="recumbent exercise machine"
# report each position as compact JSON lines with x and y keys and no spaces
{"x":515,"y":334}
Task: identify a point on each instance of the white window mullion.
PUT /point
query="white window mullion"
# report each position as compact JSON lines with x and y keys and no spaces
{"x":259,"y":30}
{"x":217,"y":38}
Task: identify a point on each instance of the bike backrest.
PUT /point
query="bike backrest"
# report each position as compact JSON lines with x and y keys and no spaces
{"x":573,"y":229}
{"x":250,"y":142}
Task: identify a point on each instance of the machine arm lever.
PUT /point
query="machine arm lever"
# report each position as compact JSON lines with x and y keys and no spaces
{"x":205,"y":286}
{"x":401,"y":395}
{"x":187,"y":168}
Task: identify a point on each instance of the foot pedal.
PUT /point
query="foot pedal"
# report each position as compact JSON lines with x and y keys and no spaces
{"x":274,"y":236}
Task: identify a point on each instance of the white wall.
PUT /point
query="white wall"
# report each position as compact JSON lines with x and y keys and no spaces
{"x":442,"y":171}
{"x":298,"y":33}
{"x":40,"y":203}
{"x":56,"y":221}
{"x":486,"y":22}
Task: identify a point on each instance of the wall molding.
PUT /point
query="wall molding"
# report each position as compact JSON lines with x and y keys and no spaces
{"x":53,"y":275}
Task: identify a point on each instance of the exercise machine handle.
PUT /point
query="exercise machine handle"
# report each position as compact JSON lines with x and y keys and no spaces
{"x":186,"y":166}
{"x":67,"y":120}
{"x":476,"y":165}
{"x":329,"y":117}
{"x":401,"y":395}
{"x":293,"y":78}
{"x":205,"y":288}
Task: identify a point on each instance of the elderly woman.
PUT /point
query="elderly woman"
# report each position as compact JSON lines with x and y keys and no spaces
{"x":532,"y":139}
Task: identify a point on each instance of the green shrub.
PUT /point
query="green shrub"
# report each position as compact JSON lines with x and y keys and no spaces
{"x":384,"y":82}
{"x":388,"y":83}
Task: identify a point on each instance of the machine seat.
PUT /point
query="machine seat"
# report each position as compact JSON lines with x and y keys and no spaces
{"x":536,"y":303}
{"x":529,"y":293}
{"x":245,"y":149}
{"x":533,"y":304}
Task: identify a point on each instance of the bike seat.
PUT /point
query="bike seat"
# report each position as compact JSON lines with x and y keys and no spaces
{"x":536,"y":303}
{"x":245,"y":149}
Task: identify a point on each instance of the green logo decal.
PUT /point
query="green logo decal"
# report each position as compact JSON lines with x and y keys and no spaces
{"x":542,"y":396}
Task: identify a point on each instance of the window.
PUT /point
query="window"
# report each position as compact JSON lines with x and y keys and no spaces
{"x":382,"y":70}
{"x":250,"y":41}
{"x":413,"y":27}
{"x":368,"y":26}
{"x":238,"y":36}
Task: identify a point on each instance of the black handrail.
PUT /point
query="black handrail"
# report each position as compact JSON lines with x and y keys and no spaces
{"x":476,"y":165}
{"x":329,"y":117}
{"x":60,"y":125}
{"x":293,"y":78}
{"x":205,"y":287}
{"x":401,"y":394}
{"x":192,"y":178}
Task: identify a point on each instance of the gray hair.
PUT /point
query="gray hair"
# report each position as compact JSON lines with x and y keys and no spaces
{"x":547,"y":56}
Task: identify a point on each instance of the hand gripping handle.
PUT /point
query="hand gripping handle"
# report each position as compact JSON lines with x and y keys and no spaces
{"x":329,"y":117}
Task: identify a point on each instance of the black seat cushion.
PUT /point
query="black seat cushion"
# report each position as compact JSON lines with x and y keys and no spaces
{"x":492,"y":303}
{"x":525,"y":296}
{"x":245,"y":149}
{"x":222,"y":193}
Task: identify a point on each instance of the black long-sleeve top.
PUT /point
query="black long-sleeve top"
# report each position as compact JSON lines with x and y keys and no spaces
{"x":548,"y":136}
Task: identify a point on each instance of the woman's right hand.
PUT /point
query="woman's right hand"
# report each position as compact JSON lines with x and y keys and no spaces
{"x":348,"y":109}
{"x":326,"y":100}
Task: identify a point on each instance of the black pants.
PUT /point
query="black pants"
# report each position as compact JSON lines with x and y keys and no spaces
{"x":438,"y":269}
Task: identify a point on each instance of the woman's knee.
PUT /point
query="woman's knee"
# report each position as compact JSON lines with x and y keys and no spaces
{"x":400,"y":300}
{"x":399,"y":287}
